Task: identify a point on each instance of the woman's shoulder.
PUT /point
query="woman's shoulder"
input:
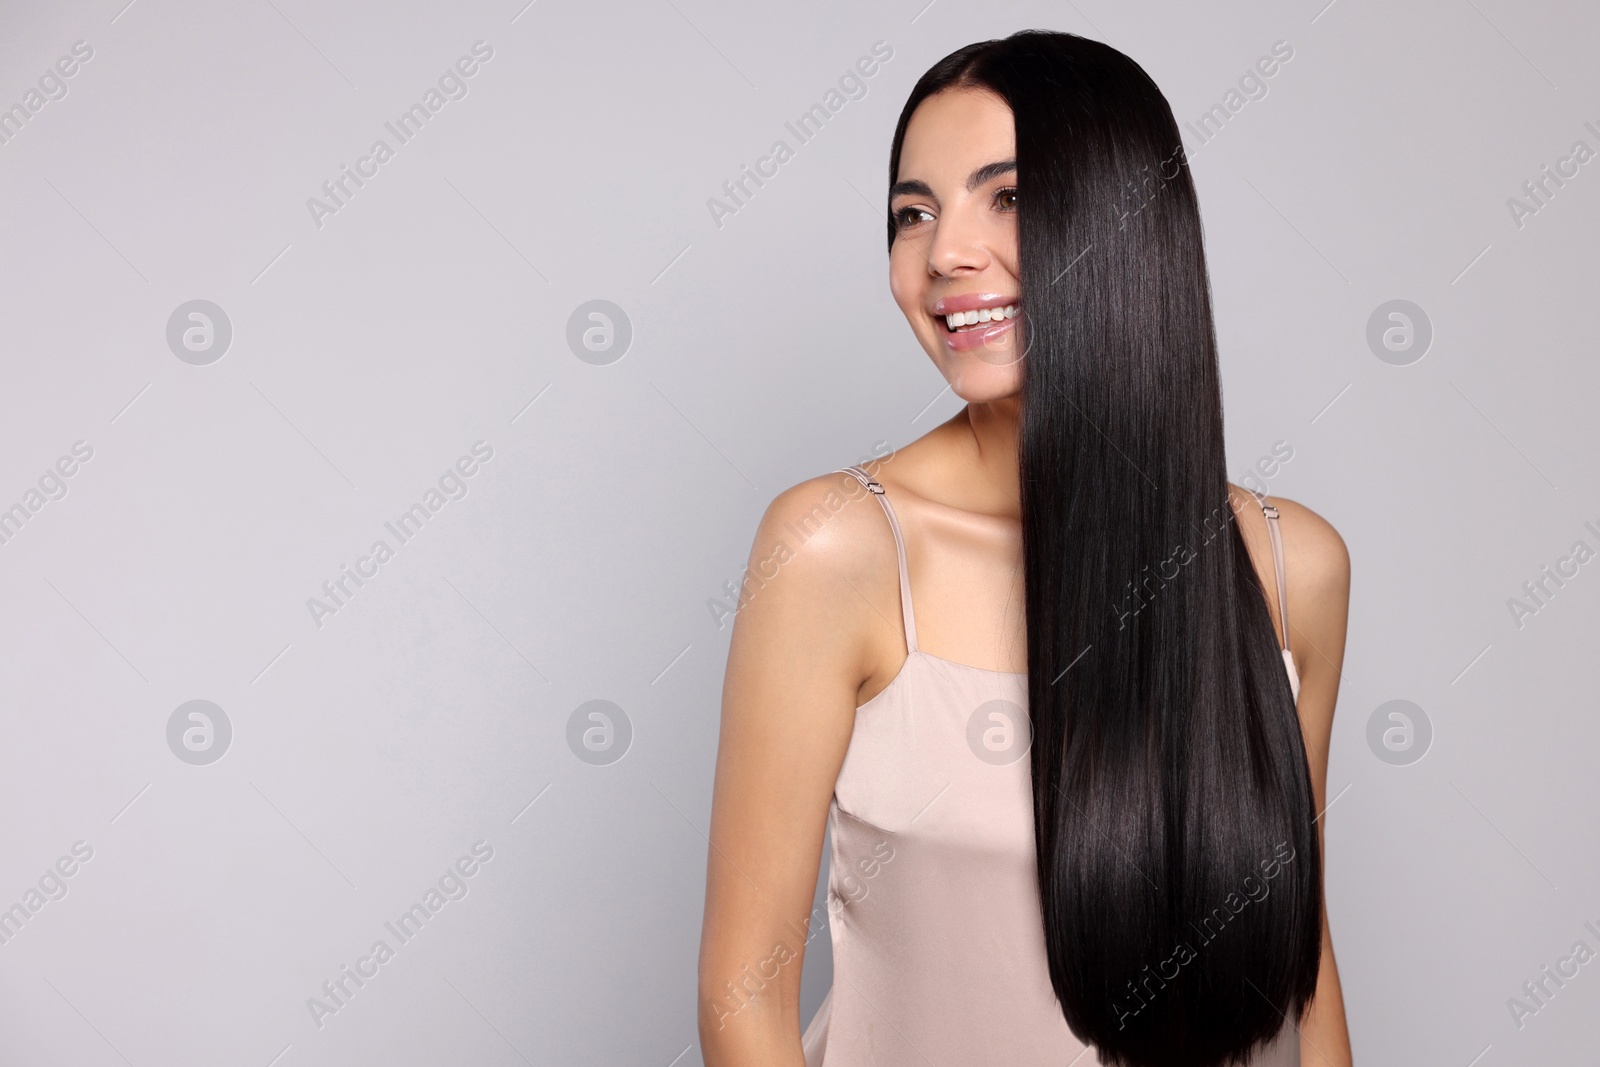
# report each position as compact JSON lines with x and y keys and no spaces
{"x":823,"y":575}
{"x":1315,"y":555}
{"x":1316,"y":565}
{"x":826,"y":528}
{"x":818,"y":511}
{"x":813,"y":504}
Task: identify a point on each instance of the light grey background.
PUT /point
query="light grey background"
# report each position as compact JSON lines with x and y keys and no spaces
{"x":431,"y":311}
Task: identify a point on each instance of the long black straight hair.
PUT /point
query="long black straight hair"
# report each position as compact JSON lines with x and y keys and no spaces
{"x":1179,"y":871}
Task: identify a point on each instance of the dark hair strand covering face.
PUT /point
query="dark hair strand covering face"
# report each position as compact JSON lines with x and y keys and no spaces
{"x":1179,"y":872}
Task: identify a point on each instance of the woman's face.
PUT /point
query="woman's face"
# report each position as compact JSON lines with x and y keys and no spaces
{"x":954,"y":204}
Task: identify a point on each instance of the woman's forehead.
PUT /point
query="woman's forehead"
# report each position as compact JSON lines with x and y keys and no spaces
{"x":951,"y":129}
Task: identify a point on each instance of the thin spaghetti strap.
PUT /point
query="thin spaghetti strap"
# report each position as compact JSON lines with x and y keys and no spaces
{"x":876,"y":489}
{"x":1277,"y":562}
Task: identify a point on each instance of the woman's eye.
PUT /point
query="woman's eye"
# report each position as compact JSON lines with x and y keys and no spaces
{"x":910,"y":216}
{"x":1006,"y":199}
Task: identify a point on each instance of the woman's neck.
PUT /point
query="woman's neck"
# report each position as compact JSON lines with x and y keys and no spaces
{"x":989,"y":438}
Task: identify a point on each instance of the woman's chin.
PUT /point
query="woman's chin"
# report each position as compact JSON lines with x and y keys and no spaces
{"x":978,"y":382}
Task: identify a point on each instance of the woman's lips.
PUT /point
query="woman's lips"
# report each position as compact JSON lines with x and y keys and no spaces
{"x":986,"y":335}
{"x":976,"y":320}
{"x":945,"y":305}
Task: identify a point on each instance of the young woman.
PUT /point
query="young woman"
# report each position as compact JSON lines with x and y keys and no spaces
{"x":1036,"y":670}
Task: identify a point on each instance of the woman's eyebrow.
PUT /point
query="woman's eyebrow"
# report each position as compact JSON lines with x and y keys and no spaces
{"x":911,"y":187}
{"x":987,"y":172}
{"x":990,"y":171}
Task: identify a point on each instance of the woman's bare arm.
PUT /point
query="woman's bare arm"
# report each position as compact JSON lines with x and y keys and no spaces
{"x":1317,"y":573}
{"x":1317,"y":566}
{"x":799,"y":653}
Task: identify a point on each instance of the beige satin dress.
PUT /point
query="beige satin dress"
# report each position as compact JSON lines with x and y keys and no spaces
{"x":938,"y":950}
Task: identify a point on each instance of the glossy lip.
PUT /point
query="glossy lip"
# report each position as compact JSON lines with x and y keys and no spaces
{"x":949,"y":305}
{"x":984,"y":337}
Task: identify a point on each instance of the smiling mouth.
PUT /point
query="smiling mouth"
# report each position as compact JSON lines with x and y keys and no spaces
{"x":977,"y":319}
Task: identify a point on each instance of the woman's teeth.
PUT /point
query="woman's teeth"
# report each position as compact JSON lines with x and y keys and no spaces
{"x":970,"y":318}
